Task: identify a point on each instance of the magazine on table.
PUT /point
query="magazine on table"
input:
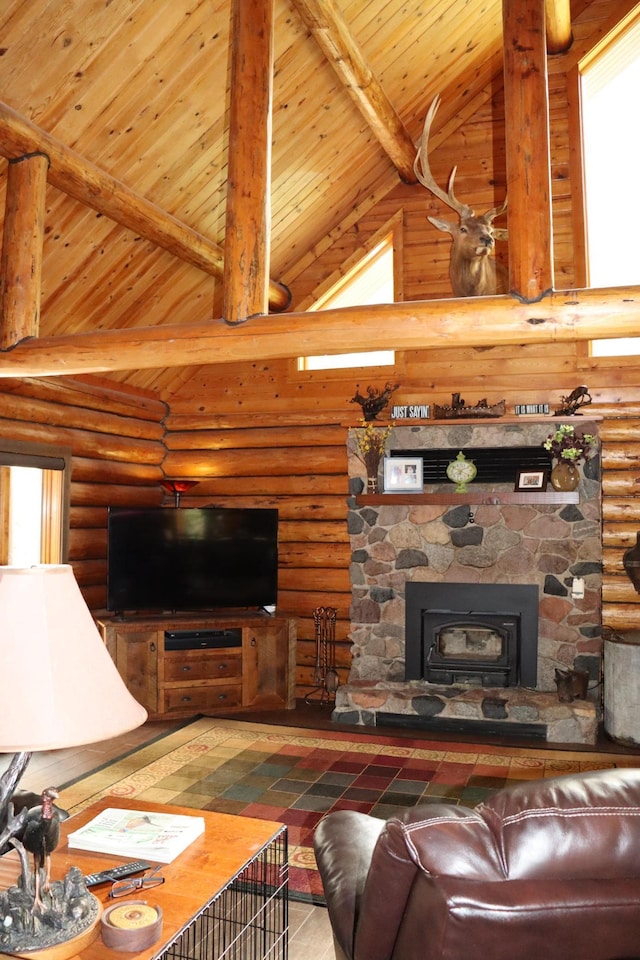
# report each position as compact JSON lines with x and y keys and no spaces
{"x":138,"y":834}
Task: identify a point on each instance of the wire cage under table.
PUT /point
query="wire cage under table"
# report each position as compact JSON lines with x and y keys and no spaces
{"x":248,"y":919}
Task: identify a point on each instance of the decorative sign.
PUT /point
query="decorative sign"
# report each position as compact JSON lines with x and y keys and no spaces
{"x":525,"y":408}
{"x":411,"y":411}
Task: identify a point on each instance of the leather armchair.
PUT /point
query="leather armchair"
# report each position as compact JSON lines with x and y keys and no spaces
{"x":544,"y":870}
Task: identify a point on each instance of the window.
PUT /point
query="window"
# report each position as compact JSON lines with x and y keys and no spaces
{"x":610,"y":83}
{"x":371,"y":280}
{"x":34,"y":504}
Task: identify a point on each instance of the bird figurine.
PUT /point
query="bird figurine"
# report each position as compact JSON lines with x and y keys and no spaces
{"x":40,"y":838}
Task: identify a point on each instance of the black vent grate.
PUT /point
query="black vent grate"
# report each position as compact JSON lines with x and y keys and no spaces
{"x":494,"y":464}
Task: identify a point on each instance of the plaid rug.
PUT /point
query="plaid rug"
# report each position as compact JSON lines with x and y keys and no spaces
{"x":295,"y":776}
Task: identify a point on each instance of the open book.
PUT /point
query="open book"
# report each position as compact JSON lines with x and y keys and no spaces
{"x":138,"y":834}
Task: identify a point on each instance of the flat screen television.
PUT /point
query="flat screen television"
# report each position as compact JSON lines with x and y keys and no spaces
{"x":181,"y":560}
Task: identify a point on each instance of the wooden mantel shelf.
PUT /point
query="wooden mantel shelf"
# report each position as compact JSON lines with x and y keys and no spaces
{"x":473,"y":497}
{"x":524,"y":419}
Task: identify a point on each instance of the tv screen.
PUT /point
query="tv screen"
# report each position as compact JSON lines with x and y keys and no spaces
{"x":179,"y":560}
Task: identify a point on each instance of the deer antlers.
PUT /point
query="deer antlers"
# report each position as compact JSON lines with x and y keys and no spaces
{"x":471,"y":271}
{"x":422,"y":171}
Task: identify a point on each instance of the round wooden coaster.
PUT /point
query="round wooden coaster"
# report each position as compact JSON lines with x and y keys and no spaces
{"x":131,"y":926}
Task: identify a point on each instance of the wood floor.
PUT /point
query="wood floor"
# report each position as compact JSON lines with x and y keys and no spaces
{"x":310,"y":931}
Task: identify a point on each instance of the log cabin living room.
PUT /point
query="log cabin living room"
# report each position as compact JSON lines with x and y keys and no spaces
{"x":170,"y":269}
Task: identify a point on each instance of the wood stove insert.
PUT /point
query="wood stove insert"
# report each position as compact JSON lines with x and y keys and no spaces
{"x":472,"y":633}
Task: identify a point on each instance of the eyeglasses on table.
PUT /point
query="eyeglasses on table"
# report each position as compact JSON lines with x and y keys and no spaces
{"x":122,"y":888}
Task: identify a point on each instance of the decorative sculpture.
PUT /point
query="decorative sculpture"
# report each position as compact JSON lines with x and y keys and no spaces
{"x":579,"y":397}
{"x":572,"y":685}
{"x":458,"y":408}
{"x":36,"y":911}
{"x":375,"y":401}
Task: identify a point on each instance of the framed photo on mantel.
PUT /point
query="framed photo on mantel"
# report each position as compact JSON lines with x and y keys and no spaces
{"x":403,"y":475}
{"x":531,"y":480}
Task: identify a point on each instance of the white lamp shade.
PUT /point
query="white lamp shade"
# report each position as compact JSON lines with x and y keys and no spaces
{"x":60,"y":687}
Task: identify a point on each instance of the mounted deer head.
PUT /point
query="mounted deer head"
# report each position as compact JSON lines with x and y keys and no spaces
{"x":472,"y":270}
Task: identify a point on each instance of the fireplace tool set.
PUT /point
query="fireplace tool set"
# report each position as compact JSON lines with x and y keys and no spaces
{"x":325,"y":675}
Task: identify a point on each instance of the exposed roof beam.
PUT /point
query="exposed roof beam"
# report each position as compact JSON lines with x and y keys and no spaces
{"x":247,"y":232}
{"x":334,"y":38}
{"x":22,"y":240}
{"x":526,"y":107}
{"x":481,"y":321}
{"x":75,"y":176}
{"x":558,"y":22}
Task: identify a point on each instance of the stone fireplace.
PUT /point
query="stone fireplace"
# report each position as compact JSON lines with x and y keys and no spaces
{"x":469,"y":653}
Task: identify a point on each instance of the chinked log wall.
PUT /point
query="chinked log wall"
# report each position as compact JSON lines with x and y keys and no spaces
{"x":266,"y":457}
{"x":118,"y":455}
{"x":266,"y":435}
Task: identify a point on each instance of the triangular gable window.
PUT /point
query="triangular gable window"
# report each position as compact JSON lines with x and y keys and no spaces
{"x":371,"y":280}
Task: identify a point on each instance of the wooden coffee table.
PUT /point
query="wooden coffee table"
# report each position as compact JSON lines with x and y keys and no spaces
{"x":224,"y":897}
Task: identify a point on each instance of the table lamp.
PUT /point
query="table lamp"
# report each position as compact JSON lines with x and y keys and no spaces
{"x":60,"y":689}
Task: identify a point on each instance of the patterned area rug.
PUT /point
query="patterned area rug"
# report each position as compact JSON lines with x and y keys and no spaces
{"x":294,"y":776}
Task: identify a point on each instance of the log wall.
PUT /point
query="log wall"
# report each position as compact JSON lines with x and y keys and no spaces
{"x":116,"y":439}
{"x":246,"y":451}
{"x":265,"y":434}
{"x":265,"y":455}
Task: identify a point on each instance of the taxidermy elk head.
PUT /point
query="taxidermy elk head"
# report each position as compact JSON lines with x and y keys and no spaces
{"x":472,"y":269}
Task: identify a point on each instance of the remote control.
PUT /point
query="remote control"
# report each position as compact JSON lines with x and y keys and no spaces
{"x":116,"y":873}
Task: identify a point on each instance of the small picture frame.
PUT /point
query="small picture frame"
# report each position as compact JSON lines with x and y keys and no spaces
{"x":531,"y":480}
{"x":403,"y":475}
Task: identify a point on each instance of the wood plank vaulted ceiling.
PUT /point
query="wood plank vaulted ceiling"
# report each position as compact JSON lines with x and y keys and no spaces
{"x":139,"y":89}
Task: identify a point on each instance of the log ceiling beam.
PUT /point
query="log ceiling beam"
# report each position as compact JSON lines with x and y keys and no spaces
{"x":558,"y":19}
{"x":247,"y":234}
{"x":568,"y":316}
{"x":528,"y":156}
{"x":327,"y":26}
{"x":70,"y":173}
{"x":22,"y":245}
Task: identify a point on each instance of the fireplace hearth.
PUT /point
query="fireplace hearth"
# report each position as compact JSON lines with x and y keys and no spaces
{"x":472,"y":633}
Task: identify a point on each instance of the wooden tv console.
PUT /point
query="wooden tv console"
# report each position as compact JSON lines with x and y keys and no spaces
{"x":251,"y":664}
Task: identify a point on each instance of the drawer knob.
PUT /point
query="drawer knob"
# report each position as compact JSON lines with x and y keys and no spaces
{"x":186,"y":699}
{"x":186,"y":668}
{"x":222,"y":666}
{"x":222,"y":696}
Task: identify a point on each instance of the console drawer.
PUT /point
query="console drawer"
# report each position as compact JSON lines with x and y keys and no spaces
{"x":203,"y":699}
{"x":202,"y":666}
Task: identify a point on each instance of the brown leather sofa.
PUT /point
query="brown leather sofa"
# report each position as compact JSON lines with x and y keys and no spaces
{"x":544,"y":870}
